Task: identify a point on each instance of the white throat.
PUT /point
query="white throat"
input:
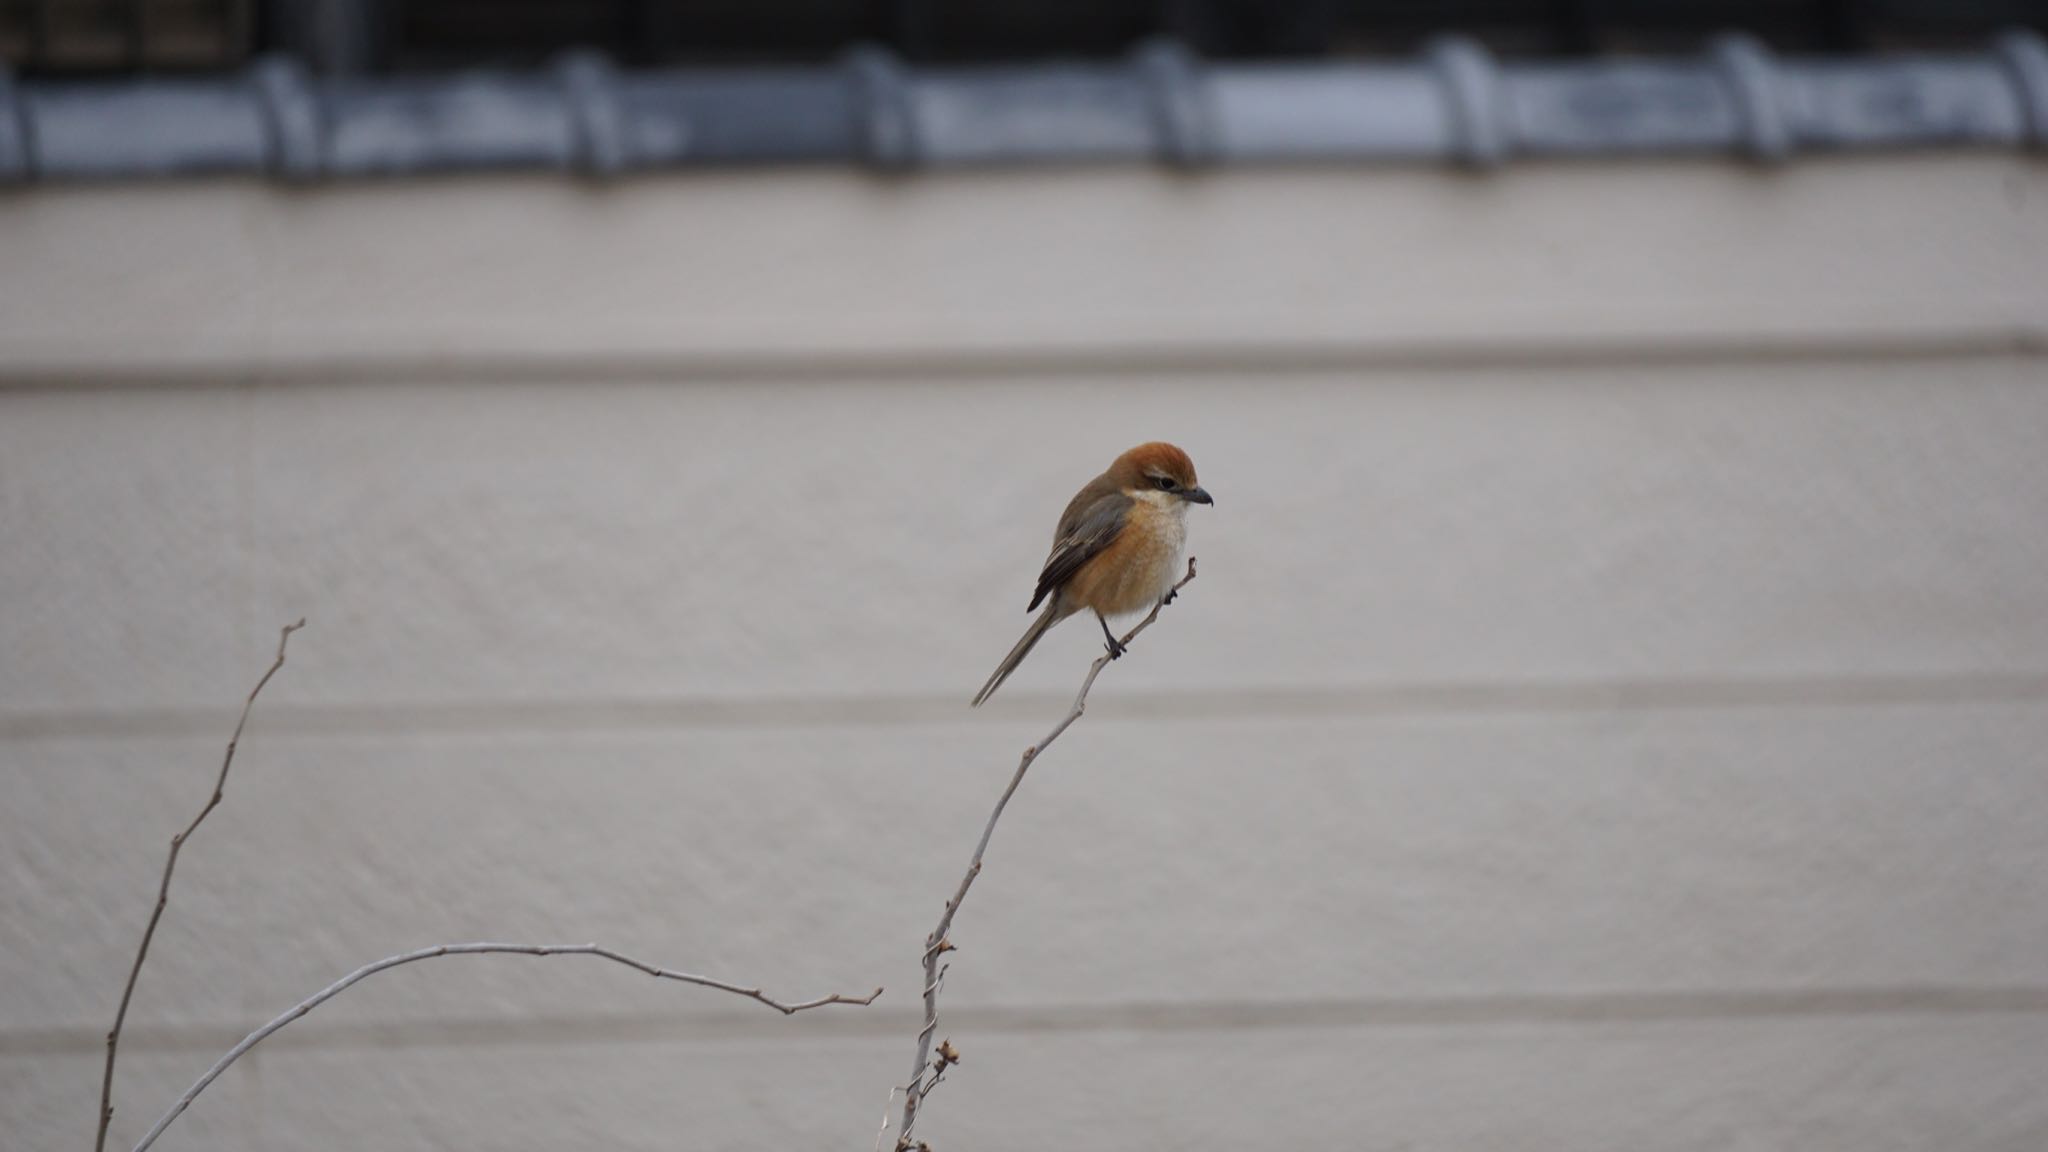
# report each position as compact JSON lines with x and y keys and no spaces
{"x":1164,"y":501}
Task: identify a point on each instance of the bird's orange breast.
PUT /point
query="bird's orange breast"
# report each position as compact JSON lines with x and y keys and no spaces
{"x":1137,"y":568}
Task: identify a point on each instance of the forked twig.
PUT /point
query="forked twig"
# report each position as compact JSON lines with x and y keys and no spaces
{"x":938,"y":943}
{"x":368,"y":970}
{"x":163,"y":891}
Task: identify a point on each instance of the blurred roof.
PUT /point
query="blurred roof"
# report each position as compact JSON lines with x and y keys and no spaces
{"x":386,"y":36}
{"x":339,"y":88}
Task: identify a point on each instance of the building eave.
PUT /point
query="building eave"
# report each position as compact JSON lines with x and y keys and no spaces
{"x":1453,"y":104}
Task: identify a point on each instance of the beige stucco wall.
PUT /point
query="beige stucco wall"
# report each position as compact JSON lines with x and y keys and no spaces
{"x":1611,"y":714}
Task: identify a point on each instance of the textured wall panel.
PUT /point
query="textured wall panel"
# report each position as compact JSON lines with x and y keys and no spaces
{"x":1192,"y":863}
{"x":835,"y":270}
{"x":633,"y":542}
{"x":1900,"y":1084}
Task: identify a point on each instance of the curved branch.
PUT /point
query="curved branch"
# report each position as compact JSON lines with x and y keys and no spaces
{"x":938,"y":944}
{"x":368,"y":970}
{"x":163,"y":891}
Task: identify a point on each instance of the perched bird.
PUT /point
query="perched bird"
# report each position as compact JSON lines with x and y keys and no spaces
{"x":1117,"y":549}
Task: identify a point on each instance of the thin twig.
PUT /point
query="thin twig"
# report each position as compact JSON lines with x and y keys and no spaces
{"x":163,"y":891}
{"x":938,"y":943}
{"x":368,"y":970}
{"x":884,"y":1129}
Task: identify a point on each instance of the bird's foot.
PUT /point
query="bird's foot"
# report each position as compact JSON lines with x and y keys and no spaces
{"x":1116,"y":648}
{"x":1170,"y":594}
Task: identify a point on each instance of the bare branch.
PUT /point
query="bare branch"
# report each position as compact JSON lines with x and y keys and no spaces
{"x":368,"y":970}
{"x":939,"y":943}
{"x":163,"y":891}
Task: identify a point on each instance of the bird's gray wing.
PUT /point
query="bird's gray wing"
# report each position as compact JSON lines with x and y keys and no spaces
{"x":1084,"y":532}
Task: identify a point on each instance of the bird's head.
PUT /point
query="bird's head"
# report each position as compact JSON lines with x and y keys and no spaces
{"x":1159,"y":467}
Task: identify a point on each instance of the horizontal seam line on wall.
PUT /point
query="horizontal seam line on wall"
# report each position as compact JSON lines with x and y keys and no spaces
{"x":1450,"y":353}
{"x":1565,"y":1010}
{"x":1394,"y":701}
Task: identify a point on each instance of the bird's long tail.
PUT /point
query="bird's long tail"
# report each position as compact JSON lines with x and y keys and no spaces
{"x":1038,"y":629}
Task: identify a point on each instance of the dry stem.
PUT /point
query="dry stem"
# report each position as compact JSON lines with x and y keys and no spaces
{"x":937,"y":944}
{"x":163,"y":891}
{"x":368,"y":970}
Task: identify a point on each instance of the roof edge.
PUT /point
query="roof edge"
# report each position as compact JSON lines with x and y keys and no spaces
{"x":1454,"y":104}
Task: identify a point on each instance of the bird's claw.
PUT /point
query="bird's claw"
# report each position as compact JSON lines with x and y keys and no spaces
{"x":1116,"y":648}
{"x":1170,"y":594}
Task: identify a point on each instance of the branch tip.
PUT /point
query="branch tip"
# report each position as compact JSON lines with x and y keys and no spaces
{"x":163,"y":892}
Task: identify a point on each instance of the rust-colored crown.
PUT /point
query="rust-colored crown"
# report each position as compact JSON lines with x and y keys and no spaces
{"x":1157,"y":457}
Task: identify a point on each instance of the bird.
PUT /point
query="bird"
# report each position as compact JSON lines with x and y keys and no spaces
{"x":1117,"y":549}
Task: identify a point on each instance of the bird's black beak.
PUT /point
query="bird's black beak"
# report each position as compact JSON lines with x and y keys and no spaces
{"x":1198,"y":496}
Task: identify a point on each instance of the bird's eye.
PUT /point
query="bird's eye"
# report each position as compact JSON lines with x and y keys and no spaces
{"x":1165,"y":483}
